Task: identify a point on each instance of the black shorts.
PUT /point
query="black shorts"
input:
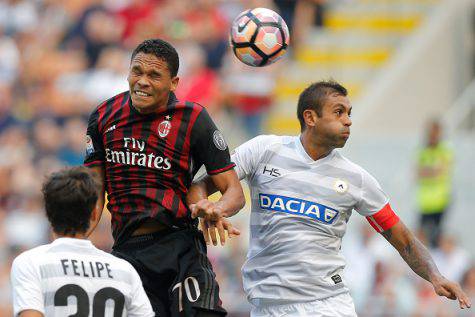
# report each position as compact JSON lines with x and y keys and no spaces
{"x":175,"y":271}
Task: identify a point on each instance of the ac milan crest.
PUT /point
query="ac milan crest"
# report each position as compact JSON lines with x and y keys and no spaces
{"x":164,"y":128}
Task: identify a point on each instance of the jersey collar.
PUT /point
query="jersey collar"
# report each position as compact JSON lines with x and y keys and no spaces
{"x":75,"y":241}
{"x":172,"y":100}
{"x":307,"y":158}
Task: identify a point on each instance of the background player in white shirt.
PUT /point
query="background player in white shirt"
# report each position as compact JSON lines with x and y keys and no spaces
{"x":70,"y":276}
{"x":303,"y":193}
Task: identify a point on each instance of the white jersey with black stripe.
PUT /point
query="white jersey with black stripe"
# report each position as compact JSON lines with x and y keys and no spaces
{"x":300,"y":209}
{"x":71,"y":276}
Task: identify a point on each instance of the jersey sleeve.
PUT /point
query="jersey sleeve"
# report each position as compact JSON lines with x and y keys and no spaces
{"x":247,"y":155}
{"x":139,"y":304}
{"x":208,"y":146}
{"x":94,"y":145}
{"x":26,"y":287}
{"x":374,"y":205}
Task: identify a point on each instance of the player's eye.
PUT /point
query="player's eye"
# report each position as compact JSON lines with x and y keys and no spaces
{"x":155,"y":76}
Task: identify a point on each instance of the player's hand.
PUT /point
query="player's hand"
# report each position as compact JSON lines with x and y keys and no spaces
{"x":206,"y":209}
{"x":222,"y":225}
{"x":452,"y":290}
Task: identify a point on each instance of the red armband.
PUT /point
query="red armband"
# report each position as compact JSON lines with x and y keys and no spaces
{"x":383,"y":219}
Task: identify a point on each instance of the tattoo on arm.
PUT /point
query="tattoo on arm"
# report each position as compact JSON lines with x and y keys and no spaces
{"x":419,"y":259}
{"x":414,"y":253}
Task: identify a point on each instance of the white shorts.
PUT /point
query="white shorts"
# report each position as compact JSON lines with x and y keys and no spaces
{"x":336,"y":306}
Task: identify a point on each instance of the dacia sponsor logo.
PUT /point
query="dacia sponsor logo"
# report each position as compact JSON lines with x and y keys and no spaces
{"x":296,"y":206}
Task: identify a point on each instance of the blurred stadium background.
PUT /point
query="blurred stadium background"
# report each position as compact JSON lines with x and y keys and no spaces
{"x":404,"y":61}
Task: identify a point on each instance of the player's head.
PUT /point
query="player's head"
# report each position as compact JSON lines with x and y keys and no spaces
{"x":324,"y":111}
{"x":434,"y":132}
{"x":152,"y":74}
{"x":70,"y":198}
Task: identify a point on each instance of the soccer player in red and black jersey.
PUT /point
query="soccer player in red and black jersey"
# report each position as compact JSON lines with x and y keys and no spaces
{"x":147,"y":146}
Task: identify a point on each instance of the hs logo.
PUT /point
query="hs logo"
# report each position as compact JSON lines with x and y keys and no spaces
{"x":274,"y":172}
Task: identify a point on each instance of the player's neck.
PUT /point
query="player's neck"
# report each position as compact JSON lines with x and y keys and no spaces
{"x":150,"y":110}
{"x":158,"y":107}
{"x":74,"y":236}
{"x":314,"y":149}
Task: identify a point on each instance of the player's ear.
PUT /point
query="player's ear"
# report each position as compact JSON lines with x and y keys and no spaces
{"x":175,"y":81}
{"x":310,"y":117}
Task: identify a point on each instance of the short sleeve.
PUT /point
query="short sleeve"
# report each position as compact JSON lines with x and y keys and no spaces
{"x":26,"y":286}
{"x":94,"y":145}
{"x":247,"y":156}
{"x":374,"y":205}
{"x":372,"y":197}
{"x":208,"y":146}
{"x":139,"y":304}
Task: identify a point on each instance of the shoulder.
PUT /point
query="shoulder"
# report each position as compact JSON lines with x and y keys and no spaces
{"x":266,"y":141}
{"x":446,"y":148}
{"x":193,"y":111}
{"x":351,"y":167}
{"x":189,"y":105}
{"x":345,"y":162}
{"x":31,"y":257}
{"x":112,"y":102}
{"x":261,"y":147}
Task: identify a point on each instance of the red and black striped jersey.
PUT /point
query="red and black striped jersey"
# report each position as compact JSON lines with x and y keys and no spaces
{"x":150,"y":159}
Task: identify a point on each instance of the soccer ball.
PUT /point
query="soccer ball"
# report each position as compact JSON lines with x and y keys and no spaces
{"x":259,"y":37}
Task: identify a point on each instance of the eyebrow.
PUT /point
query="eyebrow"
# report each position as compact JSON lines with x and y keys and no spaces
{"x":340,"y":105}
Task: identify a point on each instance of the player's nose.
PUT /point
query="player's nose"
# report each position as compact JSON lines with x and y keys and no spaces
{"x":143,"y":82}
{"x":347,"y":121}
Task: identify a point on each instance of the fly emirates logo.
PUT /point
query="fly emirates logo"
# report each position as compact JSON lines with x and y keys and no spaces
{"x":139,"y":158}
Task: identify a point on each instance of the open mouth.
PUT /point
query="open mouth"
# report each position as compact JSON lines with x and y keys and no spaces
{"x":141,"y":94}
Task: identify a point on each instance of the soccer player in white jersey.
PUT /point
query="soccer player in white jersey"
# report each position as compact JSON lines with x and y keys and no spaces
{"x":303,"y":192}
{"x":70,"y":277}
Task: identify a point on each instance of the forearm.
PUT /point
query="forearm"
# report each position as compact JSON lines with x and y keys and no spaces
{"x":200,"y":189}
{"x":419,"y":260}
{"x":231,"y":201}
{"x":414,"y":253}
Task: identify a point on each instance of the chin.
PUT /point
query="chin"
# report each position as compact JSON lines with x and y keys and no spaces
{"x":140,"y":105}
{"x":341,"y":144}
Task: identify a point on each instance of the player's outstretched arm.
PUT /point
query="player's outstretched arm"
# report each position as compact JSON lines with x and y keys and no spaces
{"x":231,"y":201}
{"x":420,"y":261}
{"x":212,"y":214}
